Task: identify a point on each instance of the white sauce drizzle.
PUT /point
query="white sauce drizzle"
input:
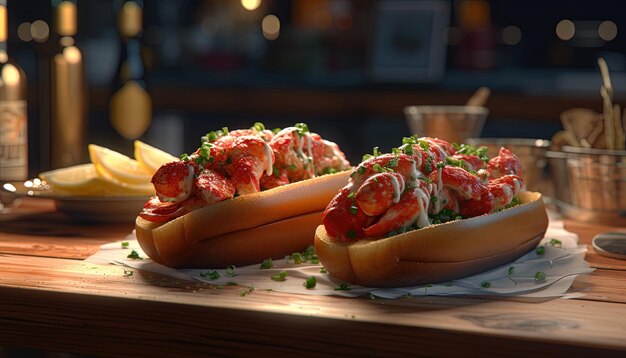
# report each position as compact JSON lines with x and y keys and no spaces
{"x":439,"y":180}
{"x":269,"y":169}
{"x":398,"y":187}
{"x":518,"y":185}
{"x":422,"y":199}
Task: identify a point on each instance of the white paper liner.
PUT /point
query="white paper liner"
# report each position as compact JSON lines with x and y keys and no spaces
{"x":560,"y":265}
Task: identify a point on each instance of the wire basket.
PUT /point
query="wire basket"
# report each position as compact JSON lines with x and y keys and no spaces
{"x":590,"y":184}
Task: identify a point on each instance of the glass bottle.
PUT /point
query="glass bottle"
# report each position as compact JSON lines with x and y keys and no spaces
{"x":130,"y":105}
{"x":68,"y":125}
{"x":13,"y":113}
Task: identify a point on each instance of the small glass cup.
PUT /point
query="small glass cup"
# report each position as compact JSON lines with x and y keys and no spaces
{"x":454,"y":124}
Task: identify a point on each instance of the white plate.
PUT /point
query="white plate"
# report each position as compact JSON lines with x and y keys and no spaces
{"x":83,"y":208}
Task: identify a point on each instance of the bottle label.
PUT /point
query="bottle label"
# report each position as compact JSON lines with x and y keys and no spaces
{"x":13,"y":140}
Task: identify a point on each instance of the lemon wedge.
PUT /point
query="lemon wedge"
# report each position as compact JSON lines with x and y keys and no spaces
{"x":84,"y":180}
{"x":151,"y":158}
{"x":118,"y":168}
{"x":77,"y":178}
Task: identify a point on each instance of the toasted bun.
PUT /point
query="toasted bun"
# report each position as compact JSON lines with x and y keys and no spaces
{"x":438,"y":253}
{"x":243,"y":230}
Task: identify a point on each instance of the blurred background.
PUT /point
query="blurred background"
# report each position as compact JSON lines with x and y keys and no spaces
{"x":345,"y":67}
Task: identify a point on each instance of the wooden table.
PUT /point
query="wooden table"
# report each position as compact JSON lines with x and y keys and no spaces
{"x":51,"y":299}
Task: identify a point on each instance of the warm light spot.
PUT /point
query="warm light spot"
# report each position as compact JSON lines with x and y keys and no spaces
{"x":72,"y":54}
{"x":66,"y":41}
{"x":565,"y":30}
{"x":271,"y":27}
{"x":10,"y":75}
{"x":23,"y":32}
{"x":40,"y":31}
{"x":3,"y":56}
{"x":511,"y":35}
{"x":250,"y":4}
{"x":3,"y":22}
{"x":9,"y":187}
{"x":607,"y":30}
{"x":28,"y":184}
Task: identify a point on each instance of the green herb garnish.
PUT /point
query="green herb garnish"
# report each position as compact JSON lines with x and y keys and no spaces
{"x":511,"y":271}
{"x":125,"y":244}
{"x":246,"y":291}
{"x":310,"y":282}
{"x":134,"y":255}
{"x":281,"y":276}
{"x":352,"y":195}
{"x":343,"y":287}
{"x":485,"y":284}
{"x":323,"y":270}
{"x":555,"y":243}
{"x":354,"y":209}
{"x":213,"y":275}
{"x":266,"y":264}
{"x":540,"y":276}
{"x":128,"y":273}
{"x":540,"y":250}
{"x":230,"y":271}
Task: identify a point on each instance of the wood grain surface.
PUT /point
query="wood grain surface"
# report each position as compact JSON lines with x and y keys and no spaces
{"x":52,"y":300}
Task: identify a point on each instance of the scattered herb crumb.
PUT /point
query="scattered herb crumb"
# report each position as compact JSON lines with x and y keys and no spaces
{"x":266,"y":264}
{"x":540,"y":276}
{"x":323,"y":270}
{"x":310,"y":282}
{"x":128,"y":273}
{"x":555,"y":243}
{"x":485,"y":284}
{"x":281,"y":276}
{"x":540,"y":250}
{"x":125,"y":244}
{"x":511,"y":270}
{"x":343,"y":287}
{"x":213,"y":275}
{"x":230,"y":271}
{"x":134,"y":255}
{"x":246,"y":291}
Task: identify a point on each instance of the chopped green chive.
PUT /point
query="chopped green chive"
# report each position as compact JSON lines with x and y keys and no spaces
{"x":258,"y":126}
{"x":540,"y":250}
{"x":184,"y":157}
{"x":354,"y":209}
{"x":323,"y":270}
{"x":485,"y":284}
{"x":540,"y":276}
{"x":310,"y":282}
{"x":352,"y":195}
{"x":134,"y":255}
{"x":246,"y":291}
{"x":343,"y":287}
{"x":266,"y":264}
{"x":378,"y":168}
{"x":361,"y":170}
{"x":297,"y":258}
{"x":230,"y":271}
{"x":125,"y":245}
{"x":128,"y":273}
{"x":281,"y":276}
{"x":511,"y":270}
{"x":555,"y":243}
{"x":213,"y":275}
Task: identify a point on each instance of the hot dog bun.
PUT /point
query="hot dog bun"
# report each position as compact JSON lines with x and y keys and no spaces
{"x":437,"y":253}
{"x":243,"y":230}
